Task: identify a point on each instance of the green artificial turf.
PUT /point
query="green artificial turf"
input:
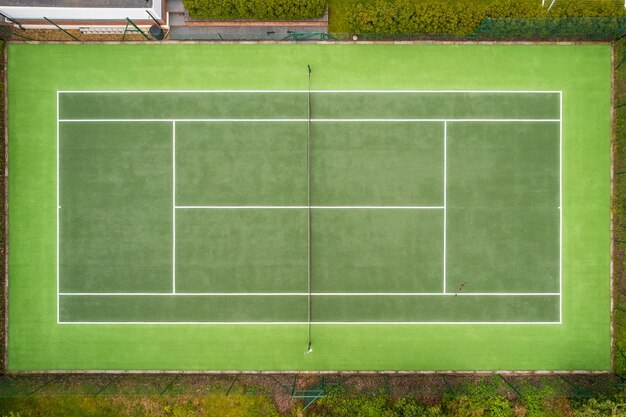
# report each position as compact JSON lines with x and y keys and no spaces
{"x":226,"y":216}
{"x":525,"y":185}
{"x":240,"y":164}
{"x":243,"y":251}
{"x":377,"y":164}
{"x":114,"y":195}
{"x":503,"y":197}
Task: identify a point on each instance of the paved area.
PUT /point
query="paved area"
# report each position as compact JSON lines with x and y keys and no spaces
{"x":238,"y":32}
{"x":175,"y":6}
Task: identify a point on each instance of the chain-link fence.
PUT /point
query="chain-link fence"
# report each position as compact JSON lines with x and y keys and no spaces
{"x":563,"y":29}
{"x":490,"y":29}
{"x":417,"y":385}
{"x":575,"y":28}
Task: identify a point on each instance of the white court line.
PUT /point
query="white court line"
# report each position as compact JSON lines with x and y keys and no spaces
{"x":316,"y":207}
{"x":561,"y":209}
{"x":58,"y":228}
{"x":318,"y":120}
{"x":169,"y":120}
{"x":373,"y":120}
{"x":241,"y":207}
{"x":445,"y":188}
{"x":174,"y":207}
{"x":324,"y":294}
{"x":186,"y":294}
{"x":332,"y":323}
{"x":313,"y":91}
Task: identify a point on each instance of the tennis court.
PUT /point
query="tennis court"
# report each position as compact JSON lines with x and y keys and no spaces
{"x":410,"y":207}
{"x":179,"y":207}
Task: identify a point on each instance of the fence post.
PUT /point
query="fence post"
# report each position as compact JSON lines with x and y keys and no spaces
{"x":60,"y":28}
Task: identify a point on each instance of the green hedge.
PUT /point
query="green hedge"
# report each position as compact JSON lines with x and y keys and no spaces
{"x":408,"y":16}
{"x":414,"y":16}
{"x":255,"y":9}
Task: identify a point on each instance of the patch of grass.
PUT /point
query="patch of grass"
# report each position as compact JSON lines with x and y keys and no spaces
{"x":154,"y":406}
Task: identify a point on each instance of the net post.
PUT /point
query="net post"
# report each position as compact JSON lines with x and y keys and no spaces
{"x":308,"y":191}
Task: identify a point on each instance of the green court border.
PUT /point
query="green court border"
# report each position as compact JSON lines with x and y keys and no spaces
{"x":582,"y":72}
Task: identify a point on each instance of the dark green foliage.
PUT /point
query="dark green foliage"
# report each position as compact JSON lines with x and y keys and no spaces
{"x":576,"y":28}
{"x":467,"y":406}
{"x":619,"y":210}
{"x":600,"y":407}
{"x":341,"y":405}
{"x":458,"y":18}
{"x":409,"y":407}
{"x":338,"y":404}
{"x":255,"y":9}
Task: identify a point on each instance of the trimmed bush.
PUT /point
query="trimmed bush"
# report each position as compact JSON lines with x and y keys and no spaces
{"x":255,"y":9}
{"x":408,"y":16}
{"x":516,"y":9}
